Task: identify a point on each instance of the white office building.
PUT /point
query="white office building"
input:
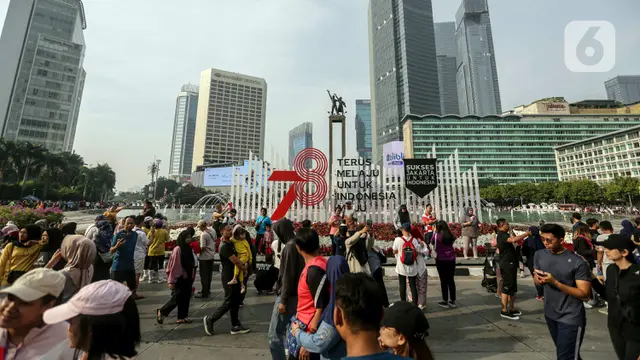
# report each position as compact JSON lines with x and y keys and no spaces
{"x":184,"y":129}
{"x":601,"y":158}
{"x":231,"y":118}
{"x":41,"y":75}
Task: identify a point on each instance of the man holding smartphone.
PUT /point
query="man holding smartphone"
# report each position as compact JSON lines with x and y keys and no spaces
{"x":567,"y":283}
{"x":123,"y":246}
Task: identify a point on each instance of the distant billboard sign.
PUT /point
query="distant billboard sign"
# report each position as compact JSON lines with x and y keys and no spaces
{"x":221,"y":176}
{"x":393,"y":154}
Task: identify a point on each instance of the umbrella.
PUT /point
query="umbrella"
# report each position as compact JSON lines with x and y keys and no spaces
{"x":30,"y":198}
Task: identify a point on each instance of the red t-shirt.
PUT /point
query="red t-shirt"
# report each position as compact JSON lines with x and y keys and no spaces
{"x":313,"y":289}
{"x":428,"y":218}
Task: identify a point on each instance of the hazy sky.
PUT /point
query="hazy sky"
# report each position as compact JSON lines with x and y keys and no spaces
{"x":139,"y":54}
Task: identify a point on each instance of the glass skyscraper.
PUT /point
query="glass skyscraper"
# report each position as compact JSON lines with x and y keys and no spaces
{"x":509,"y":148}
{"x":477,"y":75}
{"x":184,"y":130}
{"x":300,"y":138}
{"x":625,"y":89}
{"x":42,"y":50}
{"x":445,"y":35}
{"x":364,"y":138}
{"x":403,"y":66}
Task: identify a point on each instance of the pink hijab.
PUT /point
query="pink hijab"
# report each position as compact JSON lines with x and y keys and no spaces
{"x":79,"y":252}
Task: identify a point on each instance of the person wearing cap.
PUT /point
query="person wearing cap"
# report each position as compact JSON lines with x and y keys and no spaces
{"x":103,"y":323}
{"x":622,"y":291}
{"x":357,"y":317}
{"x":158,"y":237}
{"x":404,"y":328}
{"x":23,"y":335}
{"x":123,"y":246}
{"x":567,"y":283}
{"x":406,"y":271}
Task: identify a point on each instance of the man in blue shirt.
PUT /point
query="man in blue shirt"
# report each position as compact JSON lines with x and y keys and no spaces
{"x":261,"y":226}
{"x":124,"y":246}
{"x":357,"y":317}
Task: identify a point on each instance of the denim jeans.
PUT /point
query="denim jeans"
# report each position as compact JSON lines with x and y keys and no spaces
{"x":278,"y":327}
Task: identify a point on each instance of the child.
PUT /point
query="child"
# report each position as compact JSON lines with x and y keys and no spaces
{"x":266,"y":279}
{"x":268,"y":239}
{"x":404,"y":327}
{"x":244,"y":254}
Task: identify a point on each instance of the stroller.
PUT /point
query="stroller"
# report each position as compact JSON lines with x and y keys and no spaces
{"x":489,"y":277}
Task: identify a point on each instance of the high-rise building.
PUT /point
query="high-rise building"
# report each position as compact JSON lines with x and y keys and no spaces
{"x":506,"y":148}
{"x":403,"y":66}
{"x":445,"y":35}
{"x":41,"y":75}
{"x":184,"y":130}
{"x":625,"y":89}
{"x":364,"y":138}
{"x":477,"y":75}
{"x":300,"y":138}
{"x":231,"y":118}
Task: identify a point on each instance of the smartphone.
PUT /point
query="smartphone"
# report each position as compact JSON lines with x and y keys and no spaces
{"x":538,"y":271}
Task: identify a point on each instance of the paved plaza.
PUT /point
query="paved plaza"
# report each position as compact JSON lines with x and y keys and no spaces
{"x":474,"y":330}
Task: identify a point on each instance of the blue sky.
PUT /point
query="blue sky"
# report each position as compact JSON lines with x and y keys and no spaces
{"x":139,"y":55}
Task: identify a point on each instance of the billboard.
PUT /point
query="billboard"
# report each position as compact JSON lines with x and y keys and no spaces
{"x":221,"y":176}
{"x":393,"y":154}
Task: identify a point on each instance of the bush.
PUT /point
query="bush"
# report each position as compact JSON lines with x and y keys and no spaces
{"x":22,"y":216}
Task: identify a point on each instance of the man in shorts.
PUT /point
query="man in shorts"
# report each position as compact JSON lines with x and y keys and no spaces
{"x":508,"y":263}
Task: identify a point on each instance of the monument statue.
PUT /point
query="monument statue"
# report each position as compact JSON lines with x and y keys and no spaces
{"x":337,"y":104}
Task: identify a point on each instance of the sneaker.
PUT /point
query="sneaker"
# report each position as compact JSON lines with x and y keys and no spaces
{"x":540,"y":298}
{"x":587,"y":305}
{"x":510,"y":316}
{"x":241,"y":306}
{"x":516,"y":312}
{"x":208,"y":325}
{"x":239,"y":330}
{"x":443,"y":304}
{"x":452,"y":304}
{"x":604,"y":310}
{"x":499,"y":296}
{"x":421,"y":307}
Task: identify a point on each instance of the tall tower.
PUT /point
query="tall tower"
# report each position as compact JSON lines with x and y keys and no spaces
{"x":41,"y":74}
{"x":231,"y":118}
{"x":445,"y":34}
{"x":184,"y":129}
{"x":300,"y":138}
{"x":363,"y":128}
{"x":625,"y":89}
{"x":477,"y":75}
{"x":403,"y":66}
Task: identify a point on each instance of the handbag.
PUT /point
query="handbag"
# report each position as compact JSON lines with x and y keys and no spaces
{"x":106,"y":257}
{"x":291,"y":341}
{"x":258,"y":225}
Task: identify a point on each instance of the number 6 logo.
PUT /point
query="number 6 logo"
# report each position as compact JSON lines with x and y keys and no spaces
{"x":590,"y":46}
{"x":301,"y":176}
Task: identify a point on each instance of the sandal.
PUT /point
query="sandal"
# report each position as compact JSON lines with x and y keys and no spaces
{"x":159,"y":317}
{"x":184,"y":321}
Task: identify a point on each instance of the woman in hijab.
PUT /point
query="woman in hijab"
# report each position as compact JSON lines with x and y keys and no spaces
{"x":402,"y":217}
{"x":53,"y":237}
{"x":627,"y":228}
{"x":326,"y":341}
{"x":532,"y":244}
{"x":180,"y":274}
{"x":79,"y":253}
{"x":19,"y":256}
{"x":69,"y":228}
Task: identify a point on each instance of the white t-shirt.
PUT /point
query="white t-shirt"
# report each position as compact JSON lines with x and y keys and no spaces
{"x":605,"y":260}
{"x":402,"y":269}
{"x":276,"y":254}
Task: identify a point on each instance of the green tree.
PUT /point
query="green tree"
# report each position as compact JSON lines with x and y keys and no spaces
{"x":189,"y":194}
{"x":622,"y":189}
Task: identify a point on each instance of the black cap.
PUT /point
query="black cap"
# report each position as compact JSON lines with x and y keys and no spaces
{"x":619,"y":242}
{"x":407,"y":319}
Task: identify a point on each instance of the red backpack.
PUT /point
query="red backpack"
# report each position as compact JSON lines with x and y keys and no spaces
{"x":408,"y":252}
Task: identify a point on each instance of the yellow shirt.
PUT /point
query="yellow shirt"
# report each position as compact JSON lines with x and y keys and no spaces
{"x":111,"y":215}
{"x":22,"y":259}
{"x":243,"y":249}
{"x":158,"y":238}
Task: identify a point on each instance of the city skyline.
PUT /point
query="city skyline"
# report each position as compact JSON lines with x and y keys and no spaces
{"x":184,"y":129}
{"x":446,"y":52}
{"x":402,"y":65}
{"x":300,"y":138}
{"x":41,"y":73}
{"x":364,"y":135}
{"x":623,"y":88}
{"x":130,"y":91}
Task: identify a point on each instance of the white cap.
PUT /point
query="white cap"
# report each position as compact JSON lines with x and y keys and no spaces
{"x":99,"y":298}
{"x":37,"y":284}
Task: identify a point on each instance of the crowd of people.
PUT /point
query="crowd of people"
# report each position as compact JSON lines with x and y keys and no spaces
{"x":325,"y":307}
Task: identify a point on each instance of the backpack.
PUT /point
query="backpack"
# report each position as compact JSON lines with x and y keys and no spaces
{"x":408,"y":252}
{"x":359,"y":251}
{"x":104,"y":237}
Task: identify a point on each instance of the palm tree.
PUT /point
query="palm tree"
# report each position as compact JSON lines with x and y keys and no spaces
{"x":52,"y":169}
{"x":32,"y":158}
{"x":105,"y":179}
